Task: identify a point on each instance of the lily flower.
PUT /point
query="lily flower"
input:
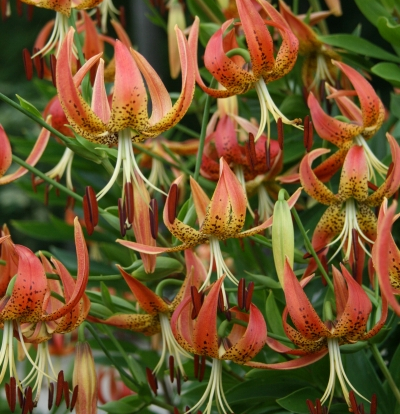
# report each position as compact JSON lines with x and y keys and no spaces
{"x":265,"y":67}
{"x":159,"y":311}
{"x":200,"y":336}
{"x":364,"y":122}
{"x":221,"y":218}
{"x":33,"y":158}
{"x":127,"y":119}
{"x":349,"y":210}
{"x":386,"y":256}
{"x":315,"y":338}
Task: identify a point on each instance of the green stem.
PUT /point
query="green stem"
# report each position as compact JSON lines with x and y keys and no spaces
{"x":81,"y":332}
{"x":208,"y":12}
{"x":166,"y":282}
{"x":163,"y":404}
{"x":279,"y":338}
{"x":203,"y":132}
{"x":187,"y":130}
{"x":385,"y":370}
{"x":322,"y":24}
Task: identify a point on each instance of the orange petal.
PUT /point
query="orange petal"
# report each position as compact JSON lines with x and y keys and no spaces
{"x":6,"y":153}
{"x":200,"y":200}
{"x":60,"y":6}
{"x":100,"y":105}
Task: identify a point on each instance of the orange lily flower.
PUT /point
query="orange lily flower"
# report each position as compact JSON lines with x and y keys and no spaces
{"x":36,"y":319}
{"x":386,"y":256}
{"x":349,"y":211}
{"x":265,"y":66}
{"x":221,"y":218}
{"x":158,"y":311}
{"x":127,"y":119}
{"x":316,"y":338}
{"x":364,"y":123}
{"x":200,"y":336}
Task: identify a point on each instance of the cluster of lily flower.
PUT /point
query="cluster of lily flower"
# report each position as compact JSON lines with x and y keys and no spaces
{"x":40,"y":299}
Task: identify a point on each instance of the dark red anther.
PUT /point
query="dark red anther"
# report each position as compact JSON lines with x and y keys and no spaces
{"x":171,"y":367}
{"x":20,"y":397}
{"x":196,"y":363}
{"x":305,"y":131}
{"x":249,"y":295}
{"x":354,"y":240}
{"x":30,"y":12}
{"x":122,"y":217}
{"x":122,"y":16}
{"x":322,"y":92}
{"x":241,"y":293}
{"x":28,"y":401}
{"x":251,"y":152}
{"x":66,"y":394}
{"x":353,"y":402}
{"x":179,"y":381}
{"x":202,"y":368}
{"x":152,"y":380}
{"x":228,"y":315}
{"x":11,"y":394}
{"x":390,"y":169}
{"x":310,"y":406}
{"x":310,"y":141}
{"x":279,"y":126}
{"x":197,"y":300}
{"x":20,"y":10}
{"x":4,"y":7}
{"x":53,"y":65}
{"x":267,"y":155}
{"x":172,"y":201}
{"x":129,"y":202}
{"x":374,"y":405}
{"x":28,"y":65}
{"x":90,"y":210}
{"x":221,"y":306}
{"x":98,"y":17}
{"x":60,"y":388}
{"x":50,"y":396}
{"x":372,"y":186}
{"x":153,"y":218}
{"x":176,"y":411}
{"x":46,"y":194}
{"x":318,"y":252}
{"x":57,"y":178}
{"x":38,"y":63}
{"x":74,"y":398}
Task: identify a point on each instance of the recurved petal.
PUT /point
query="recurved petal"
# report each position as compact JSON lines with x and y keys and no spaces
{"x":247,"y":342}
{"x":146,"y":324}
{"x":337,"y":132}
{"x":10,"y":256}
{"x":226,"y":141}
{"x":182,"y":325}
{"x":354,"y":176}
{"x":354,"y":319}
{"x":32,"y":159}
{"x":302,"y":313}
{"x":82,"y":119}
{"x":148,"y":300}
{"x":100,"y":105}
{"x":311,"y":184}
{"x":144,"y":248}
{"x":258,"y":38}
{"x":60,"y":6}
{"x":371,"y":106}
{"x":329,"y":167}
{"x":200,"y":200}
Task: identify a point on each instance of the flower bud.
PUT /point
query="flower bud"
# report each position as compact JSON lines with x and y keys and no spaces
{"x":282,"y":236}
{"x":176,"y":17}
{"x":85,"y":378}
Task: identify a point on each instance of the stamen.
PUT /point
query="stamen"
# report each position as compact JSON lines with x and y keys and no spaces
{"x":279,"y":126}
{"x":53,"y":66}
{"x":30,"y":12}
{"x":268,"y":155}
{"x":310,"y":136}
{"x":176,"y":411}
{"x":38,"y":63}
{"x":305,"y":132}
{"x":172,"y":202}
{"x":28,"y":401}
{"x":178,"y":382}
{"x":60,"y":388}
{"x":20,"y":397}
{"x":249,"y":295}
{"x":241,"y":293}
{"x":353,"y":402}
{"x":251,"y":152}
{"x":51,"y":396}
{"x":221,"y":307}
{"x":196,"y":301}
{"x":196,"y":365}
{"x":318,"y":252}
{"x":322,"y":92}
{"x":374,"y":404}
{"x":20,"y":10}
{"x":11,"y":393}
{"x":27,"y":64}
{"x":122,"y":217}
{"x":152,"y":380}
{"x":390,"y":169}
{"x":66,"y":393}
{"x":354,"y":244}
{"x":171,"y":368}
{"x":90,"y":209}
{"x":154,"y":218}
{"x":128,"y":191}
{"x":122,"y":16}
{"x":74,"y":397}
{"x":372,"y":186}
{"x":228,"y":315}
{"x":310,"y":406}
{"x":202,"y":368}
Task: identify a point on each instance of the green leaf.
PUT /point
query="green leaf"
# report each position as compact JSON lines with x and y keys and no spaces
{"x":388,"y":71}
{"x":389,"y":31}
{"x":165,"y":266}
{"x":274,"y":316}
{"x":127,"y":405}
{"x":395,"y":105}
{"x":206,"y":31}
{"x":359,"y":46}
{"x":206,"y":10}
{"x":296,"y":401}
{"x":372,"y":10}
{"x":29,"y":107}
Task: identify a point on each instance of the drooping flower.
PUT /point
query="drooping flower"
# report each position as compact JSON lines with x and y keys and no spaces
{"x":199,"y":335}
{"x":315,"y":338}
{"x":266,"y":67}
{"x":127,"y":119}
{"x":349,"y":210}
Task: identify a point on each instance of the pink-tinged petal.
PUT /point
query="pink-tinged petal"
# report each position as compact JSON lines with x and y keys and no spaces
{"x":92,"y":44}
{"x":386,"y":256}
{"x":205,"y":336}
{"x":148,"y":300}
{"x":287,"y":53}
{"x":6,"y":153}
{"x":182,"y":325}
{"x":293,"y":364}
{"x":25,"y":303}
{"x":129,"y":104}
{"x":379,"y":325}
{"x":392,"y":182}
{"x":283,"y":349}
{"x":144,"y":248}
{"x":200,"y":200}
{"x":337,"y":132}
{"x":226,"y":141}
{"x":341,"y":292}
{"x":82,"y":119}
{"x":237,"y":198}
{"x":302,"y":313}
{"x":312,"y":186}
{"x":371,"y":106}
{"x":100,"y":105}
{"x":10,"y":256}
{"x":146,"y":324}
{"x":141,"y":223}
{"x":258,"y":38}
{"x":346,"y":106}
{"x":328,"y":168}
{"x":252,"y":340}
{"x":235,"y":79}
{"x":354,"y":176}
{"x":33,"y":157}
{"x":121,"y":33}
{"x":176,"y":113}
{"x":354,"y":319}
{"x":86,"y":67}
